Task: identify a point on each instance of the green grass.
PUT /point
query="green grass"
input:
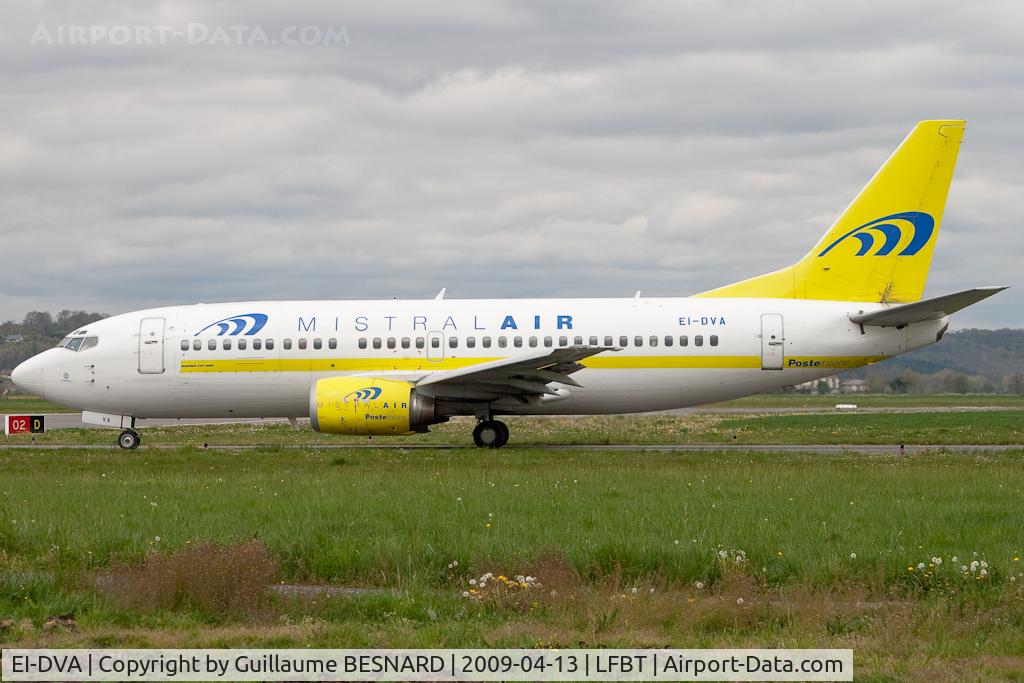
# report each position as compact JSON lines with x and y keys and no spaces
{"x":30,"y":405}
{"x":932,"y":427}
{"x":794,"y":400}
{"x":391,"y":517}
{"x":593,"y":526}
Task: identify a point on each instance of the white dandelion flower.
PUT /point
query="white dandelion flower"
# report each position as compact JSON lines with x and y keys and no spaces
{"x":853,"y":556}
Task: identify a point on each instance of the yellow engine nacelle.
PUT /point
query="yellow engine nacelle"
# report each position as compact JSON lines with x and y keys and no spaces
{"x":367,"y":405}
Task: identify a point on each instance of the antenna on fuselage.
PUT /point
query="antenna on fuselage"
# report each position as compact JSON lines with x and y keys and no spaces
{"x":440,"y":295}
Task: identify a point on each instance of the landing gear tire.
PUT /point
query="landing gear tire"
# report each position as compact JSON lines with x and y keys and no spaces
{"x":490,"y":434}
{"x":129,"y":439}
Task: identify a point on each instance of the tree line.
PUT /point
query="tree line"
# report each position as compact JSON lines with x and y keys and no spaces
{"x":39,"y":331}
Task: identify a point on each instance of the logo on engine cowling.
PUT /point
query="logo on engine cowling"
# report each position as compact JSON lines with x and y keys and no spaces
{"x":364,"y":394}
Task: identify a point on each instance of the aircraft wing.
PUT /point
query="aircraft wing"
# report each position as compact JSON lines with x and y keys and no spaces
{"x":929,"y":309}
{"x":518,"y":376}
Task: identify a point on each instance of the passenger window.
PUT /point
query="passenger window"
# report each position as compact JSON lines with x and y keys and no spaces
{"x":212,"y":344}
{"x":287,"y":344}
{"x":242,"y":344}
{"x":623,"y":341}
{"x":714,"y":340}
{"x":302,"y":344}
{"x":184,"y":344}
{"x":420,"y":342}
{"x":406,"y":342}
{"x":257,"y":344}
{"x":698,"y":340}
{"x":318,"y":343}
{"x":362,"y":342}
{"x":486,"y":342}
{"x":517,"y":342}
{"x":332,"y":343}
{"x":470,"y":342}
{"x":533,"y":342}
{"x":638,"y":340}
{"x":435,"y":342}
{"x":684,"y":340}
{"x":669,"y":340}
{"x":578,"y":341}
{"x":227,"y":344}
{"x":563,"y":341}
{"x":608,"y":341}
{"x":653,"y":340}
{"x":453,"y":342}
{"x":376,"y":342}
{"x":547,"y":341}
{"x":269,"y":345}
{"x":197,"y":345}
{"x":392,"y":342}
{"x":593,"y":341}
{"x":503,"y":342}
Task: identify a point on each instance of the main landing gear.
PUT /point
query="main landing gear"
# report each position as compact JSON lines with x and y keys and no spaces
{"x":490,"y":434}
{"x":129,"y":439}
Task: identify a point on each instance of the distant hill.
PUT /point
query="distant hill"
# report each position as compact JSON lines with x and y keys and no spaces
{"x":993,"y":354}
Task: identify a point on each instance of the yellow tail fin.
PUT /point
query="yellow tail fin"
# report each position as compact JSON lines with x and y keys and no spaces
{"x":881,"y":248}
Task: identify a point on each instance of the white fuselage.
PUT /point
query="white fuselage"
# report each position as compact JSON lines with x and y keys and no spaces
{"x":671,"y":352}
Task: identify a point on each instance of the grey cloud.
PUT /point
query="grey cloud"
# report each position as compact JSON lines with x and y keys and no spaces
{"x":498,"y":149}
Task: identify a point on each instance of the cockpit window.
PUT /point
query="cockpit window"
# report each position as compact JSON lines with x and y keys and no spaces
{"x":78,"y":343}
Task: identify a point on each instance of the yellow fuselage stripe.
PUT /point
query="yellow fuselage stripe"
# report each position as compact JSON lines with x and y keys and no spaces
{"x":610,"y":362}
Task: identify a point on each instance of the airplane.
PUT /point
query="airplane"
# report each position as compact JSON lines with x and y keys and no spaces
{"x":397,"y":367}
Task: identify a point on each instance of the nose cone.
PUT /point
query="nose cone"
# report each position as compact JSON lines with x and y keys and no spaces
{"x":29,"y":375}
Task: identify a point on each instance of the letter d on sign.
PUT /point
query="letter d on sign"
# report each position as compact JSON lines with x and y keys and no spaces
{"x":24,"y":424}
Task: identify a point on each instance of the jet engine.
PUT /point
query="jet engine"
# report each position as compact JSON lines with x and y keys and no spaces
{"x":368,"y":405}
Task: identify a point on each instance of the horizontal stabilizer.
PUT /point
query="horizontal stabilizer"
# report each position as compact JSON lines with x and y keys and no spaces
{"x":929,"y":309}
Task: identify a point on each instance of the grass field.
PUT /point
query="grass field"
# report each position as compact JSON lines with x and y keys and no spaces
{"x":30,"y":405}
{"x":796,"y":400}
{"x":970,"y":427}
{"x":627,"y":548}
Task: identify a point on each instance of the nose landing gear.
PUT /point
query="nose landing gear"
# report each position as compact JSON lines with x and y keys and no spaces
{"x":129,"y":439}
{"x":490,"y":434}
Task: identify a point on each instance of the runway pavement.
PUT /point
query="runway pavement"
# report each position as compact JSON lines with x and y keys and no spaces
{"x":74,"y":420}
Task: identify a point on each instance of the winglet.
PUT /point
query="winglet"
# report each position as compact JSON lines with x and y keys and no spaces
{"x":440,"y":295}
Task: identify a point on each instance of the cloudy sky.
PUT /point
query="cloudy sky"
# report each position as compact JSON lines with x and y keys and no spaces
{"x":498,"y":149}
